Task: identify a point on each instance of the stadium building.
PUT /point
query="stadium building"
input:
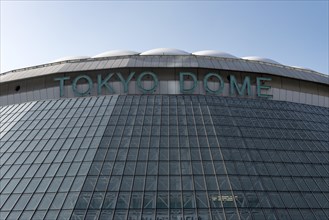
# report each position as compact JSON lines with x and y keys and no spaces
{"x":164,"y":134}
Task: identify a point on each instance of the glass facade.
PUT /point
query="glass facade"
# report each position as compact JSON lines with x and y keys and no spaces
{"x":159,"y":157}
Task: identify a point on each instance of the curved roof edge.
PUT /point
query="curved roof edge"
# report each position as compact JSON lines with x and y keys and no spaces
{"x":160,"y":52}
{"x":115,"y":53}
{"x":164,"y":51}
{"x":183,"y":61}
{"x":303,"y":68}
{"x":70,"y":58}
{"x":262,"y":59}
{"x":214,"y":53}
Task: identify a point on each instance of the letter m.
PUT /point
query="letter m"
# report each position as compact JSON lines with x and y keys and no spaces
{"x":241,"y":90}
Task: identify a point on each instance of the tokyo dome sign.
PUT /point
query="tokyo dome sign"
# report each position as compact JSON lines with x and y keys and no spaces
{"x":188,"y":84}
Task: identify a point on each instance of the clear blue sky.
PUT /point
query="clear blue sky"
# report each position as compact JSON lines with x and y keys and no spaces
{"x":290,"y":32}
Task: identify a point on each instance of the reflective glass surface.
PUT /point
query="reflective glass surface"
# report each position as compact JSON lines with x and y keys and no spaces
{"x":164,"y":157}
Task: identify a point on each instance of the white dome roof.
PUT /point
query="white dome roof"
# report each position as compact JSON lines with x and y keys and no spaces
{"x":300,"y":67}
{"x":213,"y":53}
{"x":165,"y":51}
{"x":70,"y":58}
{"x":114,"y":53}
{"x":262,"y":59}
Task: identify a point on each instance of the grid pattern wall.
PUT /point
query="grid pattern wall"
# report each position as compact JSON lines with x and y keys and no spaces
{"x":47,"y":148}
{"x":165,"y":157}
{"x":276,"y":156}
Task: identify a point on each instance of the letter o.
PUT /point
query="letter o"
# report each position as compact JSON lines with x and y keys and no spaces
{"x":139,"y":82}
{"x":221,"y":82}
{"x":75,"y":88}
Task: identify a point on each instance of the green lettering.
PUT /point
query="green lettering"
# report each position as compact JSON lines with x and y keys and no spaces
{"x":221,"y":84}
{"x":260,"y":86}
{"x":241,"y":90}
{"x":125,"y":82}
{"x":74,"y":85}
{"x":61,"y":84}
{"x":155,"y":82}
{"x":101,"y":83}
{"x":181,"y":82}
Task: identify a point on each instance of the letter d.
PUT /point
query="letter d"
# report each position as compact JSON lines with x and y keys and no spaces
{"x":181,"y":82}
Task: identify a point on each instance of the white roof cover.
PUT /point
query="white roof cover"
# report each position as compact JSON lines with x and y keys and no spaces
{"x":114,"y":53}
{"x":165,"y":51}
{"x":70,"y":58}
{"x":300,"y":67}
{"x":214,"y":53}
{"x":262,"y":59}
